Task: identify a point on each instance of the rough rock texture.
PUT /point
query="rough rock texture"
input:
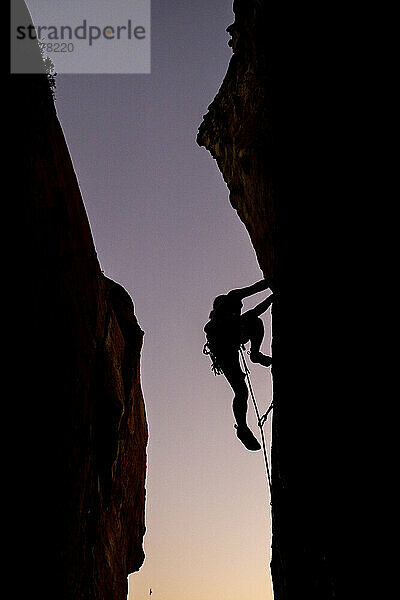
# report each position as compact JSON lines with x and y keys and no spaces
{"x":82,"y":427}
{"x":269,"y":131}
{"x":237,"y":131}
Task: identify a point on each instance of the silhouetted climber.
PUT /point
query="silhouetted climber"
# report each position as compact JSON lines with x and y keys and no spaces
{"x":226,"y":331}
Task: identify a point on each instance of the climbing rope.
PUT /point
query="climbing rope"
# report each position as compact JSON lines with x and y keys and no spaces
{"x":261,"y":420}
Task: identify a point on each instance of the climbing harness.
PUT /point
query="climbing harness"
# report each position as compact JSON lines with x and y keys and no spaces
{"x":260,"y":419}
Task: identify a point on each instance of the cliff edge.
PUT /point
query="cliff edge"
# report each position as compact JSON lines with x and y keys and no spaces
{"x":82,"y":424}
{"x":269,"y":129}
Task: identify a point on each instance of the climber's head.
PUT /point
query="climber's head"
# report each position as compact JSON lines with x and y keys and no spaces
{"x":219,"y":301}
{"x":226,"y":304}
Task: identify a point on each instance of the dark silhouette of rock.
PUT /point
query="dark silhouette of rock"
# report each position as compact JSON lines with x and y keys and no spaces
{"x":272,"y":129}
{"x":82,"y":430}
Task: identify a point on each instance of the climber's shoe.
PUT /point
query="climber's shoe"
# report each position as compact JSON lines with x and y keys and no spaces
{"x":262,"y":359}
{"x":247,"y":438}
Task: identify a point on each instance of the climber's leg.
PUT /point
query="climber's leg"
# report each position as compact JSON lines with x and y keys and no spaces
{"x":239,"y":403}
{"x":236,"y":379}
{"x":254,"y":331}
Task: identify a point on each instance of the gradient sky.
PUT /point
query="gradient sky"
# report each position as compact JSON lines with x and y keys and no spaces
{"x":163,"y":228}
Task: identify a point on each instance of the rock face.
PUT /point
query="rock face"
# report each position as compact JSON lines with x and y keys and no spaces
{"x":238,"y":132}
{"x":83,"y":429}
{"x":264,"y":130}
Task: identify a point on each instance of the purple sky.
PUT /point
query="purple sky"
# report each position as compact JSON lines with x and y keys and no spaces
{"x":163,"y":228}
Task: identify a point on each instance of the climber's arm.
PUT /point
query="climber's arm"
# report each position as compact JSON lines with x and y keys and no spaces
{"x":250,"y":290}
{"x":262,"y":307}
